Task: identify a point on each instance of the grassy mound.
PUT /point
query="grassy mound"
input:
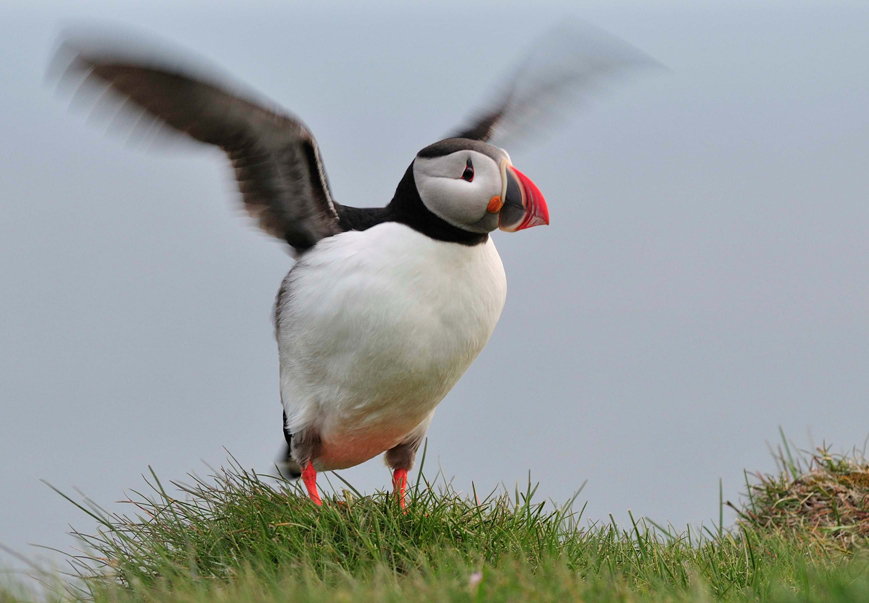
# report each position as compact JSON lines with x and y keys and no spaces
{"x":239,"y":536}
{"x":823,"y":496}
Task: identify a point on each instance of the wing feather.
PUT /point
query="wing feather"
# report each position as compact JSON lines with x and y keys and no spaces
{"x":275,"y":157}
{"x":564,"y":67}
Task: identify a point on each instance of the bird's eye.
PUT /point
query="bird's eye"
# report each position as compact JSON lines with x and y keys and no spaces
{"x":468,"y":174}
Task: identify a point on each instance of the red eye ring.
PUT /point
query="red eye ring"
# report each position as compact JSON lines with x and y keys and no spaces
{"x":468,"y":174}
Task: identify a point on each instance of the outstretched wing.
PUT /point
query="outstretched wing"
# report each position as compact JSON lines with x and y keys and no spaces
{"x":275,"y":157}
{"x":563,"y":68}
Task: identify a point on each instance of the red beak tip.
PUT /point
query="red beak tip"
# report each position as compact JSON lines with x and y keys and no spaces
{"x":538,"y":211}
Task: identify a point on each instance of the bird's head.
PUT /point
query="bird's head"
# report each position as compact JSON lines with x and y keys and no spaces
{"x":473,"y":185}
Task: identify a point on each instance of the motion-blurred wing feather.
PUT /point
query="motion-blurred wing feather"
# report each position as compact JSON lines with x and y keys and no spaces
{"x":564,"y":67}
{"x":275,"y":157}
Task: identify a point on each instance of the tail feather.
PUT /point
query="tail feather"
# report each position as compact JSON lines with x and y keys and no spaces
{"x":288,"y":467}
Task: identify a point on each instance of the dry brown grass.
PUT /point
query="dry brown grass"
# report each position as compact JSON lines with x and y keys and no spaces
{"x":823,"y":495}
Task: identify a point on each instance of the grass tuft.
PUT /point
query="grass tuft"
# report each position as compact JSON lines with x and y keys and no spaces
{"x":236,"y":518}
{"x":823,"y":496}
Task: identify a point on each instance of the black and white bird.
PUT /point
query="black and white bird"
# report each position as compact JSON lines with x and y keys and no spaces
{"x":385,"y":308}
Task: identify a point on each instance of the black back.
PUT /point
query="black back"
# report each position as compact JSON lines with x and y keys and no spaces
{"x":407,"y":208}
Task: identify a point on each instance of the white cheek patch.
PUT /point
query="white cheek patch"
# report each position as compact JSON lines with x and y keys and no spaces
{"x":444,"y":192}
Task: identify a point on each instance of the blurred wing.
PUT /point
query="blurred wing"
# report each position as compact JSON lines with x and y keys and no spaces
{"x":564,"y":68}
{"x":275,"y":157}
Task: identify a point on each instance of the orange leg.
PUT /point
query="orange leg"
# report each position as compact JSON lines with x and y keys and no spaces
{"x":399,"y":484}
{"x":309,"y":476}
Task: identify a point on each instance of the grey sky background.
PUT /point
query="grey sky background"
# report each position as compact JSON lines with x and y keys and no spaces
{"x":704,"y":279}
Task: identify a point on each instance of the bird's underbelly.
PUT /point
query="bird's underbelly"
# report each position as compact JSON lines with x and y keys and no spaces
{"x":375,"y":330}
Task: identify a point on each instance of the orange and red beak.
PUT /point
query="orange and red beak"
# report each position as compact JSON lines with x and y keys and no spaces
{"x":524,"y":205}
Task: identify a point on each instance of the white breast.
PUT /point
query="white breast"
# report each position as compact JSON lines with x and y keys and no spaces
{"x":376,"y":327}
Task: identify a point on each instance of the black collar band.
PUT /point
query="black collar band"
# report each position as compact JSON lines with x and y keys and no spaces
{"x":407,"y":208}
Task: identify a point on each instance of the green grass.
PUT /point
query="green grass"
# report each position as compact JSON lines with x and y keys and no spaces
{"x":239,"y":536}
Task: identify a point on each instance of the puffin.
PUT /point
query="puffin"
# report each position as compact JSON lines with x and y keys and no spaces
{"x":384,"y":308}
